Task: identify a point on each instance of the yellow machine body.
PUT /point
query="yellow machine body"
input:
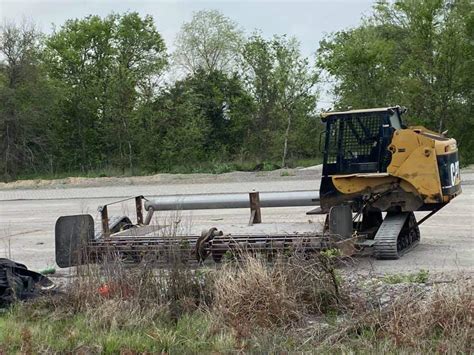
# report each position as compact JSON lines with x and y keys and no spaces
{"x":423,"y":172}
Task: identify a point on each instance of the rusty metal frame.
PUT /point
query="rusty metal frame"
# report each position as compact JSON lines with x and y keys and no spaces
{"x":104,"y":216}
{"x":148,"y":217}
{"x":139,"y":209}
{"x":255,"y":210}
{"x":216,"y":247}
{"x":104,"y":213}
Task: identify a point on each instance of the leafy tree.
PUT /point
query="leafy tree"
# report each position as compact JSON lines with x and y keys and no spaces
{"x":27,"y":102}
{"x":210,"y":42}
{"x":227,"y":107}
{"x":174,"y":129}
{"x":412,"y":53}
{"x":433,"y":52}
{"x":90,"y":96}
{"x":365,"y":63}
{"x":139,"y":62}
{"x":282,"y":83}
{"x":202,"y":117}
{"x":77,"y":58}
{"x":103,"y":65}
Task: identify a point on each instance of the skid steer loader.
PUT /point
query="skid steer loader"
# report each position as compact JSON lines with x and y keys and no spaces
{"x":374,"y":164}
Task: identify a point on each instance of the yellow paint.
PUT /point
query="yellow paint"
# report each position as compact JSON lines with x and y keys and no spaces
{"x":349,"y":184}
{"x":413,"y":165}
{"x":417,"y":163}
{"x":358,"y":183}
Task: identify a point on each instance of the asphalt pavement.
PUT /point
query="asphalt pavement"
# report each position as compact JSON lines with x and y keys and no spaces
{"x":28,"y":217}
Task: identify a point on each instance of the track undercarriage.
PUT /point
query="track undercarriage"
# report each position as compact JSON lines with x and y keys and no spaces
{"x":398,"y":233}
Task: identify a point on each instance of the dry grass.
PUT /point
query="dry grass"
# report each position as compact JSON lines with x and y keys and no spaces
{"x":254,"y":293}
{"x":115,"y":295}
{"x":243,"y":294}
{"x":292,"y":304}
{"x":446,"y":317}
{"x":440,"y":321}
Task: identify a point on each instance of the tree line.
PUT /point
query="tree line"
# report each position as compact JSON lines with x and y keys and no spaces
{"x":104,"y":93}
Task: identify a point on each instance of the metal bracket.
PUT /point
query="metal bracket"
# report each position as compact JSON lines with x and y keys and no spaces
{"x":255,"y":212}
{"x":139,"y":209}
{"x":104,"y":216}
{"x":429,"y":215}
{"x":149,"y":215}
{"x":340,"y":221}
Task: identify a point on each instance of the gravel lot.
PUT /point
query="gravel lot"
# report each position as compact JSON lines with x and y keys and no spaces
{"x":28,"y":211}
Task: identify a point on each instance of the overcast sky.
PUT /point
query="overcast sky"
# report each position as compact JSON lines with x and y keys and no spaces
{"x":308,"y":21}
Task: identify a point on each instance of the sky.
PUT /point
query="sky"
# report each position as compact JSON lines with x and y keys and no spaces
{"x":308,"y":20}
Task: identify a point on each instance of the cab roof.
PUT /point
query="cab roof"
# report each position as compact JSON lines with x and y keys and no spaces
{"x":326,"y":115}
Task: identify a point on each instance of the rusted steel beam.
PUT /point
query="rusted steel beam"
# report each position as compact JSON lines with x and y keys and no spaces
{"x":104,"y":215}
{"x":148,"y":217}
{"x":255,"y":211}
{"x":139,"y":209}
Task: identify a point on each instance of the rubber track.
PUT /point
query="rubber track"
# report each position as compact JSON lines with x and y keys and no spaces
{"x":387,"y":236}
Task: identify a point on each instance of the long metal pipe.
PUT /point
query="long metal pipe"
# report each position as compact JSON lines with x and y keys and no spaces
{"x":232,"y":200}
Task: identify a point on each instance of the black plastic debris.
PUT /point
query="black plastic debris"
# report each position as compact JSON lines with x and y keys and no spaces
{"x":19,"y":283}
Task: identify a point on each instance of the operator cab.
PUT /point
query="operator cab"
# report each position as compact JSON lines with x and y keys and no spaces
{"x":356,"y":141}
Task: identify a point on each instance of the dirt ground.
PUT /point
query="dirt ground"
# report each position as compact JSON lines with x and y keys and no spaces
{"x":28,"y":212}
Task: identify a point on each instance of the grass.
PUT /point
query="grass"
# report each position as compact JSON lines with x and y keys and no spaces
{"x":94,"y":173}
{"x":251,"y":294}
{"x":418,"y":277}
{"x":293,"y":304}
{"x":440,"y":322}
{"x":191,"y":334}
{"x":210,"y":167}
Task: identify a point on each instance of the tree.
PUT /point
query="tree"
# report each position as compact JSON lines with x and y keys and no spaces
{"x":412,"y":53}
{"x":295,"y":82}
{"x":174,"y":129}
{"x":204,"y":117}
{"x":365,"y":63}
{"x":103,"y":66}
{"x":227,"y":107}
{"x":282,"y":83}
{"x":27,"y":102}
{"x":139,"y":62}
{"x":210,"y":42}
